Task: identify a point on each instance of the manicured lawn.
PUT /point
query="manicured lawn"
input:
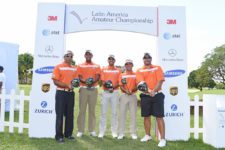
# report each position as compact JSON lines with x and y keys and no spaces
{"x":23,"y":142}
{"x":194,"y":92}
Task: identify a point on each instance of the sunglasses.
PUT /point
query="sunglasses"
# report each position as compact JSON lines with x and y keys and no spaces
{"x":111,"y":59}
{"x":69,"y":56}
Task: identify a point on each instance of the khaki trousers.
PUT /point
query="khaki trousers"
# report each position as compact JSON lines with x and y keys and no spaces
{"x":127,"y":102}
{"x":87,"y":97}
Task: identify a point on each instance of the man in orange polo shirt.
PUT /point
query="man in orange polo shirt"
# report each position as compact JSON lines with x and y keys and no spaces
{"x":62,"y":76}
{"x":128,"y":100}
{"x":110,"y":82}
{"x":89,"y":75}
{"x":152,"y":100}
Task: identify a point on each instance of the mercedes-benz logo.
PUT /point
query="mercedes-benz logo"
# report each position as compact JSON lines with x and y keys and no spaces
{"x":172,"y":52}
{"x":49,"y":49}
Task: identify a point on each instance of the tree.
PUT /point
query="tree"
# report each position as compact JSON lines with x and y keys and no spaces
{"x":215,"y":63}
{"x":192,"y":83}
{"x":201,"y":78}
{"x":25,"y":65}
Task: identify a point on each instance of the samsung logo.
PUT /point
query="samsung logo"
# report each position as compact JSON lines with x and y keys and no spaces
{"x":45,"y":70}
{"x":174,"y":73}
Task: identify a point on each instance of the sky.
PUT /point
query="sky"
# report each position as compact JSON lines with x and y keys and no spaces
{"x":205,"y":25}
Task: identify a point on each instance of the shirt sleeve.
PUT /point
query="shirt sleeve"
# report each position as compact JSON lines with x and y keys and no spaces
{"x":120,"y":78}
{"x":102,"y":74}
{"x":98,"y":70}
{"x":56,"y":73}
{"x":78,"y":70}
{"x":75,"y":75}
{"x":160,"y":75}
{"x":139,"y":76}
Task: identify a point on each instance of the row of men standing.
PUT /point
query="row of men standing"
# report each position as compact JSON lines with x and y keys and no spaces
{"x":89,"y":74}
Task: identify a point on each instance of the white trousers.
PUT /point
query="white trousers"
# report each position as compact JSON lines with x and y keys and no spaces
{"x":113,"y":99}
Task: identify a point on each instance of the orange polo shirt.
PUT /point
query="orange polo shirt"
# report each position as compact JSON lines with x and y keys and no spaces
{"x":131,"y":80}
{"x":151,"y":75}
{"x":88,"y":70}
{"x":110,"y":73}
{"x":64,"y":73}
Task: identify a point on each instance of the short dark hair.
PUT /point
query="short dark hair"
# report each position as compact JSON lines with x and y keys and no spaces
{"x":1,"y":68}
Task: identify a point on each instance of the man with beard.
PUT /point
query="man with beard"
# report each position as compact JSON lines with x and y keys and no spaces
{"x":150,"y":79}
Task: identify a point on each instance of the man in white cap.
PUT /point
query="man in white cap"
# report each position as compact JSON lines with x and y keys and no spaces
{"x":62,"y":76}
{"x":128,"y":100}
{"x":110,"y":94}
{"x":89,"y":75}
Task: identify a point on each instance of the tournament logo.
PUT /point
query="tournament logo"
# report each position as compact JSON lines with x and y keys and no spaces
{"x":174,"y":90}
{"x":45,"y":87}
{"x":80,"y":20}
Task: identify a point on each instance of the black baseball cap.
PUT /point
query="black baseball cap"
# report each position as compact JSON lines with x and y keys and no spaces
{"x":88,"y":51}
{"x":147,"y":55}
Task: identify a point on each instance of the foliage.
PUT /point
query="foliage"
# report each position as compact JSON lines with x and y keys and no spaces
{"x":220,"y":86}
{"x":201,"y":78}
{"x":24,"y":69}
{"x":192,"y":83}
{"x":215,"y":63}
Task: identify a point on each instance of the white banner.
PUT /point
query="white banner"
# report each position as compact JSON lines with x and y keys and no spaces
{"x":172,"y":57}
{"x":9,"y":51}
{"x":49,"y":48}
{"x":122,"y":18}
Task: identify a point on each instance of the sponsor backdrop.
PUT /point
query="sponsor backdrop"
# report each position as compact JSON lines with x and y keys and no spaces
{"x":8,"y":52}
{"x":171,"y":32}
{"x":49,"y":49}
{"x":172,"y":56}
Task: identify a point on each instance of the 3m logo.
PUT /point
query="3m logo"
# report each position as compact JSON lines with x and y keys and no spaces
{"x":52,"y":18}
{"x":171,"y":21}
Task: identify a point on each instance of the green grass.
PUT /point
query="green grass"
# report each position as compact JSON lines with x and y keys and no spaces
{"x":23,"y":142}
{"x":205,"y":91}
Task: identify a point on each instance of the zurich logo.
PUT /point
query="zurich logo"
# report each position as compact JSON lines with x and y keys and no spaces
{"x":173,"y":73}
{"x":45,"y":70}
{"x":44,"y":104}
{"x":167,"y":36}
{"x":46,"y":32}
{"x":173,"y":107}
